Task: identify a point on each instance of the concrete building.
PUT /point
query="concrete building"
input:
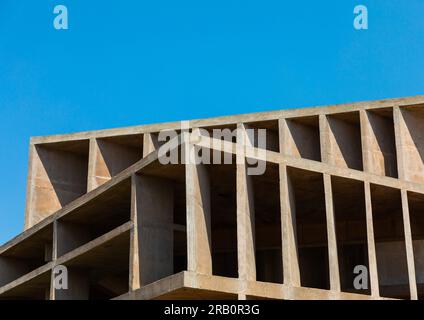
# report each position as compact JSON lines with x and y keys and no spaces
{"x":343,"y":187}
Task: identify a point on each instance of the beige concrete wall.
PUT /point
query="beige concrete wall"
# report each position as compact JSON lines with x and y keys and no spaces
{"x":58,"y":177}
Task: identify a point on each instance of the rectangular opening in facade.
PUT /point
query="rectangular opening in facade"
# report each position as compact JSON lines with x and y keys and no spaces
{"x":307,"y":191}
{"x":59,"y":176}
{"x":416,"y":214}
{"x":222,"y":180}
{"x":270,"y":133}
{"x":380,"y":144}
{"x":107,"y":211}
{"x":113,"y":155}
{"x":161,"y":219}
{"x":302,"y":139}
{"x":412,"y":142}
{"x":351,"y":230}
{"x":345,"y":140}
{"x":101,"y":273}
{"x":389,"y":242}
{"x":223,"y":132}
{"x":268,"y":246}
{"x":26,"y":256}
{"x":36,"y":288}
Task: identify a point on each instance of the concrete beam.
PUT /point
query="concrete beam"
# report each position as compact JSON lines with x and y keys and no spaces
{"x":227,"y":120}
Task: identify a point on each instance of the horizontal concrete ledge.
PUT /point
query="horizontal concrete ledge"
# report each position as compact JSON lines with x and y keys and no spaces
{"x":233,"y":119}
{"x":190,"y":285}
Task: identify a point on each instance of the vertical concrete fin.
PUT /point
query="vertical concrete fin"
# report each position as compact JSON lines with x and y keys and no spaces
{"x":409,"y":246}
{"x":400,"y":128}
{"x":372,"y":258}
{"x":245,"y":223}
{"x":366,"y":140}
{"x":199,"y":247}
{"x":288,"y":226}
{"x":134,"y":270}
{"x":324,"y":133}
{"x":30,"y":188}
{"x":331,"y":234}
{"x":92,"y":162}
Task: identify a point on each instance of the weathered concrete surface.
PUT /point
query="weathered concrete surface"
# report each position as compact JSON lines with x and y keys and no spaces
{"x":102,"y":204}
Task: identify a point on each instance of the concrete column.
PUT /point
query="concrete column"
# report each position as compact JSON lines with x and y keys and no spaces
{"x":372,"y":258}
{"x":52,"y":292}
{"x":368,"y":144}
{"x":245,"y":224}
{"x":400,"y":128}
{"x":324,"y":133}
{"x":30,"y":187}
{"x":288,"y":226}
{"x":92,"y":182}
{"x":154,"y":205}
{"x":331,"y":234}
{"x":199,"y":246}
{"x":409,"y":246}
{"x":286,"y":140}
{"x":134,"y":270}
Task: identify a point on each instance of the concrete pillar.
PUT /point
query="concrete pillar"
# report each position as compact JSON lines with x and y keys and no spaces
{"x":331,"y":234}
{"x":93,"y":154}
{"x":324,"y":133}
{"x":51,"y":291}
{"x":134,"y":270}
{"x":288,"y":226}
{"x":199,"y":246}
{"x":154,"y":208}
{"x":372,"y":258}
{"x":409,"y":246}
{"x":245,"y":224}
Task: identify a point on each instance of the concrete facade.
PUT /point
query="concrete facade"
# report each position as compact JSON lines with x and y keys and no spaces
{"x":343,"y":187}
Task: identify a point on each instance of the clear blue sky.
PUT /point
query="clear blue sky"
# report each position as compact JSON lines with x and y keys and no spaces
{"x":134,"y":62}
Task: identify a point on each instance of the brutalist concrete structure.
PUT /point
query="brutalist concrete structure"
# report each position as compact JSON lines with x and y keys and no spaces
{"x":343,"y":187}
